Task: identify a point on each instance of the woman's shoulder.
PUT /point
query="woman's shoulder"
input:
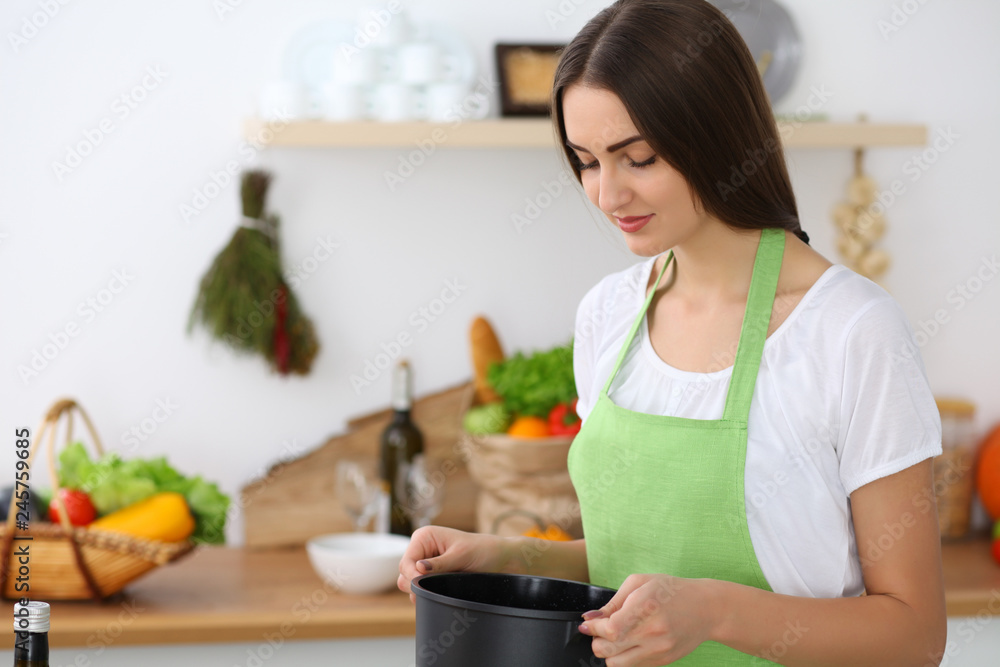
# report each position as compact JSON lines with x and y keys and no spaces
{"x":621,"y":285}
{"x":613,"y":301}
{"x":849,"y":295}
{"x":833,"y":292}
{"x":843,"y":310}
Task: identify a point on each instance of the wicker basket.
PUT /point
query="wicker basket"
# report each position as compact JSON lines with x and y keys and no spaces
{"x":67,"y":562}
{"x":523,"y":479}
{"x":954,"y":480}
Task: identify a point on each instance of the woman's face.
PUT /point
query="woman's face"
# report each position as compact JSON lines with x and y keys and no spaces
{"x":646,"y":198}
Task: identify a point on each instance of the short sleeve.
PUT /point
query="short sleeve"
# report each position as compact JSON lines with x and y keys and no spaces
{"x":585,"y":350}
{"x":889,"y":420}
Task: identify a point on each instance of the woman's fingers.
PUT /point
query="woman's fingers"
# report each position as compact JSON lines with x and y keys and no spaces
{"x":630,"y":657}
{"x":614,"y":635}
{"x":617,"y":602}
{"x":439,"y":549}
{"x":612,"y":625}
{"x":443,"y":563}
{"x":613,"y":642}
{"x":615,"y":629}
{"x":424,"y":545}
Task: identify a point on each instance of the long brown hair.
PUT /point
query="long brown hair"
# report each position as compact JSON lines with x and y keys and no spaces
{"x":693,"y":91}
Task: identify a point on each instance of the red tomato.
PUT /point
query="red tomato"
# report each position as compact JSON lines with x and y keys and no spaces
{"x":996,"y":550}
{"x":79,"y":508}
{"x":563,"y":419}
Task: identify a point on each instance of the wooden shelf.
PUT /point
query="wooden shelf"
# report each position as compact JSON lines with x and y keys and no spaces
{"x":852,"y":135}
{"x":533,"y":133}
{"x":538,"y":133}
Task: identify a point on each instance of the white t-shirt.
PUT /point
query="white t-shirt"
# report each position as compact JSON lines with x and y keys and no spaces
{"x":841,"y":400}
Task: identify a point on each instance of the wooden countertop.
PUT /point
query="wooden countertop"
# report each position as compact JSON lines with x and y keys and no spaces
{"x":971,"y":578}
{"x":228,"y":595}
{"x":225,"y":595}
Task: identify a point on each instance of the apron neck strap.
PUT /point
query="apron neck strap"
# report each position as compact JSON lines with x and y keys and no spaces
{"x":635,"y":325}
{"x":756,"y":319}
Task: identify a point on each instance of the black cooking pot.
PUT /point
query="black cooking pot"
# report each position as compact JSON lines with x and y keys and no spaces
{"x":467,"y":619}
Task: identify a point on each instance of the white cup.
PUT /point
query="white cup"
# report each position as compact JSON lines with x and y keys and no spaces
{"x":344,"y":101}
{"x":419,"y":62}
{"x":394,"y":102}
{"x":388,"y":64}
{"x":449,"y":101}
{"x":355,"y":66}
{"x":279,"y":100}
{"x":425,"y":62}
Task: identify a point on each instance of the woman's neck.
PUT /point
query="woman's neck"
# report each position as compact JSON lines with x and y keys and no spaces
{"x":715,"y":264}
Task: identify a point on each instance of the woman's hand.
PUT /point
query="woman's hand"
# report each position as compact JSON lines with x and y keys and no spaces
{"x":439,"y":549}
{"x":653,"y":619}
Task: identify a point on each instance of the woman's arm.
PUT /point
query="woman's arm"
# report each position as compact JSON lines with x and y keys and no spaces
{"x":901,"y":620}
{"x":548,"y":558}
{"x":657,"y":619}
{"x":440,"y":549}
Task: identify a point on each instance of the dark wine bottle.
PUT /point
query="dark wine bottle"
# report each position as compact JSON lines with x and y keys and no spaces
{"x":31,"y":634}
{"x":401,"y":444}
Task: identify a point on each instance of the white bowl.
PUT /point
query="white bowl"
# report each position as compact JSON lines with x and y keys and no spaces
{"x":358,"y":562}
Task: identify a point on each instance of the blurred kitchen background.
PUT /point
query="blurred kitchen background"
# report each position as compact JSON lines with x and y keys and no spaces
{"x":108,"y":249}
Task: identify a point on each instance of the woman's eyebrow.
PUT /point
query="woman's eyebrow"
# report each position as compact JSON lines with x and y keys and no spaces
{"x":612,"y":148}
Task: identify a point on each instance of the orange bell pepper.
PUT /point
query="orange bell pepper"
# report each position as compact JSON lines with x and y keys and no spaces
{"x":529,"y":427}
{"x":551,"y":532}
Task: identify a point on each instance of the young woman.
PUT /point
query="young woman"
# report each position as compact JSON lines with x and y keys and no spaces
{"x":754,"y":468}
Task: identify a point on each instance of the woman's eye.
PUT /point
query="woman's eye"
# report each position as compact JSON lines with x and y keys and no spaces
{"x":581,"y":165}
{"x":644,"y":163}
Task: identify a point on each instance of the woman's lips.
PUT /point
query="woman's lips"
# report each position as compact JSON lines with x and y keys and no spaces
{"x":633,"y":223}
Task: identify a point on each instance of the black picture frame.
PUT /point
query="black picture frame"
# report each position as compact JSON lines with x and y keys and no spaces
{"x":517,"y":65}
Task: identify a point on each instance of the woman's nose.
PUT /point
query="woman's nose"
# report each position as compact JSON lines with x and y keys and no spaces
{"x":613,"y":193}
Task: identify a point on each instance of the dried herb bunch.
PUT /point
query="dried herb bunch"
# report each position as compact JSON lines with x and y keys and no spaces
{"x":243,"y":299}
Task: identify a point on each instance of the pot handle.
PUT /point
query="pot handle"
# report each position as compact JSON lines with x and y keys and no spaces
{"x":575,"y":637}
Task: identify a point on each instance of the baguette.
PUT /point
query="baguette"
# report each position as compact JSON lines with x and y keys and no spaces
{"x":485,"y":351}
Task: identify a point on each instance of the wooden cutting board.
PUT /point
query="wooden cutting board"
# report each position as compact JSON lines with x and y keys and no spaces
{"x":295,"y":501}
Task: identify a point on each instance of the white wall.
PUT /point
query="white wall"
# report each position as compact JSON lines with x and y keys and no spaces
{"x":62,"y":241}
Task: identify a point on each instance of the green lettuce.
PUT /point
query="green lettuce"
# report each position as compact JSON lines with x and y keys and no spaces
{"x":534,"y":384}
{"x":113,"y":483}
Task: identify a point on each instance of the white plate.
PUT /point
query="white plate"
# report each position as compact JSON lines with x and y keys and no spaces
{"x":308,"y":57}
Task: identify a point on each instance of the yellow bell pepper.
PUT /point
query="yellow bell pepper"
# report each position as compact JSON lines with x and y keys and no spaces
{"x":163,"y":516}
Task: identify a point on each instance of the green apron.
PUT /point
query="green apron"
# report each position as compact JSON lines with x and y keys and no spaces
{"x":662,"y":494}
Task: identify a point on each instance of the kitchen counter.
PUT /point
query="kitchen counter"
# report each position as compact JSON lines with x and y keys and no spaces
{"x":218,"y":594}
{"x":971,"y":578}
{"x":233,"y":595}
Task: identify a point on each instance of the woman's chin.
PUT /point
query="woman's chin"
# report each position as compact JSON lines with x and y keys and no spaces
{"x":645,"y":246}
